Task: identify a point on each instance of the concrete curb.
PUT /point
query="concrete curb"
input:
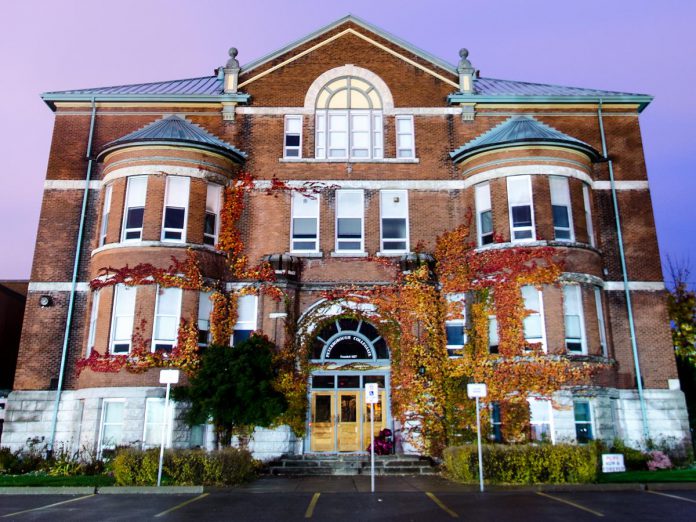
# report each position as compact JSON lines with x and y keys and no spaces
{"x":46,"y":490}
{"x":149,"y":490}
{"x":660,"y":486}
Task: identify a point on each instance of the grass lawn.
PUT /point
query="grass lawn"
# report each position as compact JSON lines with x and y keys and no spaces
{"x":663,"y":475}
{"x":45,"y":480}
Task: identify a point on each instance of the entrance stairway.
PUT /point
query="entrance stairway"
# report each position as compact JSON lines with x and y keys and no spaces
{"x":312,"y":465}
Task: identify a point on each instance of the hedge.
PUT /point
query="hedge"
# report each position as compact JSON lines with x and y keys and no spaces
{"x":227,"y":467}
{"x":524,"y":464}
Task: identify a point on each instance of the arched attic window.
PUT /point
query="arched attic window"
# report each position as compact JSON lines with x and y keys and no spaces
{"x":349,"y":120}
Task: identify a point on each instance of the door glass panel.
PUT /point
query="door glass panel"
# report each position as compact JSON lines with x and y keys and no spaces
{"x":349,"y":381}
{"x":379,"y":379}
{"x":323,"y":381}
{"x":322,"y":408}
{"x":348,"y":408}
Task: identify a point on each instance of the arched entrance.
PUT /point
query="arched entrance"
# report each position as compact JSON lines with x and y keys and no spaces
{"x":349,"y":353}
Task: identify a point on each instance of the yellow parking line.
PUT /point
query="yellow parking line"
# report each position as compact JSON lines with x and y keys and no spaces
{"x":671,"y":496}
{"x":185,"y":503}
{"x":312,"y":504}
{"x":48,"y":506}
{"x":441,"y":504}
{"x":559,"y":499}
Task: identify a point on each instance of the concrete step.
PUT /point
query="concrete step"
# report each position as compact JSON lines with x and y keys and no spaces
{"x":312,"y":465}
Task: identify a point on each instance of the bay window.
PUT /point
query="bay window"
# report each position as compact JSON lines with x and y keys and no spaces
{"x":105,"y":216}
{"x":213,"y":201}
{"x":455,"y":325}
{"x":111,"y":425}
{"x":573,"y":319}
{"x":540,"y":420}
{"x":560,"y":207}
{"x":93,"y":321}
{"x":350,"y":210}
{"x":521,"y":210}
{"x":588,"y":214}
{"x":583,"y":421}
{"x":167,"y":311}
{"x":246,"y":319}
{"x":305,"y":223}
{"x":154,"y":423}
{"x":394,"y":221}
{"x":122,"y":318}
{"x":205,"y":307}
{"x":134,"y":208}
{"x":175,"y":209}
{"x":600,"y":321}
{"x":534,"y":322}
{"x":484,"y":214}
{"x":493,"y":340}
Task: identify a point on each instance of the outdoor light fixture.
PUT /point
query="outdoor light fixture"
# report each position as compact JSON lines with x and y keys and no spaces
{"x":421,"y":371}
{"x":45,"y":301}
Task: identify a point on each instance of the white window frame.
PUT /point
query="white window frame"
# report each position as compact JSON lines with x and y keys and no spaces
{"x":600,"y":321}
{"x":289,"y":118}
{"x":213,"y":204}
{"x":539,"y":313}
{"x":405,"y":151}
{"x":385,"y":195}
{"x":155,"y":426}
{"x":247,"y":316}
{"x":533,"y":422}
{"x":94,"y":314}
{"x":177,"y":294}
{"x":522,"y":202}
{"x":125,"y":316}
{"x":577,"y":290}
{"x":324,"y":131}
{"x":456,"y":322}
{"x":102,"y":423}
{"x":174,"y":201}
{"x":134,"y":200}
{"x":205,"y":308}
{"x":588,"y":214}
{"x":298,"y":200}
{"x":560,"y":197}
{"x":104,"y":228}
{"x":590,"y":423}
{"x":493,"y":329}
{"x":344,"y":212}
{"x":482,"y":197}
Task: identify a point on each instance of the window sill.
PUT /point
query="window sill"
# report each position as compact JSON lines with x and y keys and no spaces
{"x":349,"y":160}
{"x":393,"y":254}
{"x":537,"y":243}
{"x":348,"y":254}
{"x":305,"y":254}
{"x":165,"y":244}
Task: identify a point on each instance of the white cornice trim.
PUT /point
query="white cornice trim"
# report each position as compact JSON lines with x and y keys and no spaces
{"x":621,"y":185}
{"x":55,"y":286}
{"x":520,"y":170}
{"x":370,"y":184}
{"x":417,"y":111}
{"x":648,"y":286}
{"x":150,"y":244}
{"x":70,"y":184}
{"x":139,"y":170}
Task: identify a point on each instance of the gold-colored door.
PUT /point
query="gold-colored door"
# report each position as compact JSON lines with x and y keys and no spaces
{"x":380,"y":420}
{"x":323,"y":415}
{"x":348,"y":422}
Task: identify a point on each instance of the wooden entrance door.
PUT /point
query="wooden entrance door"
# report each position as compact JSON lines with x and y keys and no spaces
{"x":323,"y":415}
{"x":348,"y":421}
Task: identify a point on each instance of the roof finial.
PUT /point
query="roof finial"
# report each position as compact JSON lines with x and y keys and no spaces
{"x":466,"y":72}
{"x":231,"y":72}
{"x":233,"y":62}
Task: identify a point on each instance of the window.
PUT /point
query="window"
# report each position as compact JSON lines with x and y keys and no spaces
{"x":534,"y":323}
{"x":405,"y":144}
{"x":154,"y":423}
{"x":455,"y":326}
{"x":305,"y":223}
{"x":93,"y":321}
{"x":588,"y":213}
{"x":496,"y":424}
{"x":111,"y":428}
{"x":583,"y":421}
{"x":540,"y":420}
{"x":484,"y":214}
{"x":205,"y":306}
{"x":350,"y":209}
{"x":493,"y":341}
{"x":105,"y":216}
{"x":394,"y":209}
{"x":211,"y":226}
{"x":135,"y":209}
{"x":246,"y":319}
{"x":560,"y":206}
{"x":292,"y":146}
{"x":175,"y":205}
{"x":167,"y":309}
{"x":349,"y":120}
{"x":573,"y":319}
{"x":521,"y":211}
{"x":600,"y":320}
{"x":122,"y":319}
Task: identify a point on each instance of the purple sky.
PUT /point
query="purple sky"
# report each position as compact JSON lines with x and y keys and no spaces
{"x":645,"y":47}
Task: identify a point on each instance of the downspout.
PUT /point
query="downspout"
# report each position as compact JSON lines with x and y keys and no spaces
{"x":73,"y":288}
{"x":624,"y":271}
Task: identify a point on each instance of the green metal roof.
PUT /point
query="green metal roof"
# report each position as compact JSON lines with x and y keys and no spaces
{"x":174,"y":130}
{"x":520,"y":131}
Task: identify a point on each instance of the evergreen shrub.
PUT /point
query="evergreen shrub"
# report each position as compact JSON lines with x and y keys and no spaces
{"x":523,"y":464}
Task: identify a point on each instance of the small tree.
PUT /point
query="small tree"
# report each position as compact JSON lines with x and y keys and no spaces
{"x":234,"y":388}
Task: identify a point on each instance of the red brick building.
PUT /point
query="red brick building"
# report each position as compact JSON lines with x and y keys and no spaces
{"x":409,"y":145}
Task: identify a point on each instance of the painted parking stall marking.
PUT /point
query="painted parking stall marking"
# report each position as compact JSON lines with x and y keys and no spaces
{"x":441,"y":504}
{"x":570,"y":503}
{"x":671,"y":496}
{"x":48,"y":506}
{"x":312,"y":505}
{"x":184,"y":503}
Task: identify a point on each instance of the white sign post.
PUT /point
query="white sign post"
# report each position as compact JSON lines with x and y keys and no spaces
{"x":167,"y":377}
{"x":476,"y":391}
{"x":372,"y":398}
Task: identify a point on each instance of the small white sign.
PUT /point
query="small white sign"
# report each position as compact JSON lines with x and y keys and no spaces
{"x":476,"y":390}
{"x":613,"y":463}
{"x":169,"y":376}
{"x":372,"y":393}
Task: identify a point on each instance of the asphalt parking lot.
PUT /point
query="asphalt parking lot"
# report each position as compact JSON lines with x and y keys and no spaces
{"x":345,"y":498}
